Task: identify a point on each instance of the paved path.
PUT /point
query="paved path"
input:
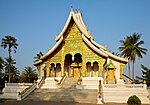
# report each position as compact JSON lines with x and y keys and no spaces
{"x":11,"y":102}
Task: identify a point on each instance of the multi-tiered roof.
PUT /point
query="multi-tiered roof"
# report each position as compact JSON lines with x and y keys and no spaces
{"x":87,"y":38}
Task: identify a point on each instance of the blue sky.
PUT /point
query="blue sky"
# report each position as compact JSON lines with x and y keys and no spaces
{"x":34,"y":22}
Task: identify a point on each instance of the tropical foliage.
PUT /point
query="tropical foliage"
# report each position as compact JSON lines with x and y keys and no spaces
{"x":145,"y":75}
{"x":8,"y":64}
{"x":10,"y":43}
{"x":29,"y":75}
{"x":1,"y":64}
{"x":130,"y":48}
{"x":38,"y":56}
{"x":134,"y":100}
{"x":11,"y":71}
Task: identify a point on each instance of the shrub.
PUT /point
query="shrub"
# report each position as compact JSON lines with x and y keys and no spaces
{"x":134,"y":100}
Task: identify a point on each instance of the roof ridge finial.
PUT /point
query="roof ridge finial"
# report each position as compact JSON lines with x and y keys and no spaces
{"x":71,"y":7}
{"x":78,"y":9}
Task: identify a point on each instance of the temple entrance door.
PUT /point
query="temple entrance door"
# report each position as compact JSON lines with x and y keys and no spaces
{"x":67,"y":62}
{"x":76,"y":72}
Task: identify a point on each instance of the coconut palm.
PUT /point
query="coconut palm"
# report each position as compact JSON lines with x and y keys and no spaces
{"x":9,"y":42}
{"x":11,"y":70}
{"x":29,"y":74}
{"x":131,"y":49}
{"x":9,"y":62}
{"x":124,"y":51}
{"x":1,"y":64}
{"x":38,"y":56}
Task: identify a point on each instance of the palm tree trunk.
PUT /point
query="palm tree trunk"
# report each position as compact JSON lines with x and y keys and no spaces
{"x":9,"y":50}
{"x":133,"y":71}
{"x":129,"y":69}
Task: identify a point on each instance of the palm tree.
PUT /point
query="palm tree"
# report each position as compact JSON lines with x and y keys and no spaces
{"x":124,"y":51}
{"x":132,"y":49}
{"x":30,"y":74}
{"x":8,"y":64}
{"x":145,"y":75}
{"x":38,"y":56}
{"x":1,"y":64}
{"x":14,"y":74}
{"x":9,"y":42}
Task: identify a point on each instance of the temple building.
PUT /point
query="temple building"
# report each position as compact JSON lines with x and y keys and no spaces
{"x":76,"y":54}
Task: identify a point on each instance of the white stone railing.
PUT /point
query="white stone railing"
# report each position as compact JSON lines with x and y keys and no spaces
{"x":17,"y":90}
{"x":40,"y":82}
{"x":62,"y":80}
{"x":26,"y":92}
{"x":18,"y":84}
{"x":130,"y":86}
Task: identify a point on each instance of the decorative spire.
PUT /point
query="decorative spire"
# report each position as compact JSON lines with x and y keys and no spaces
{"x":111,"y":65}
{"x":78,"y":10}
{"x":55,"y":35}
{"x":71,"y":7}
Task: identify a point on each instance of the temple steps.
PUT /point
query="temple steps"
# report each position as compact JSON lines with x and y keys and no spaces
{"x":69,"y":83}
{"x":67,"y":93}
{"x":49,"y":83}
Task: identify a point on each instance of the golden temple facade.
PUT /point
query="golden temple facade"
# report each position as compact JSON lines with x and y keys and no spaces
{"x":77,"y":54}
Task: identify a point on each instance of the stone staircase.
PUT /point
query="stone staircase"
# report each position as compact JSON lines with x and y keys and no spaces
{"x":11,"y":90}
{"x":69,"y":83}
{"x":67,"y":93}
{"x":49,"y":83}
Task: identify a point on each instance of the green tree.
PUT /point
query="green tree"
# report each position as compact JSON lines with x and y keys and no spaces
{"x":14,"y":74}
{"x":125,"y":52}
{"x":10,"y":43}
{"x":1,"y":64}
{"x":131,"y":49}
{"x":145,"y":75}
{"x":11,"y":71}
{"x":38,"y":56}
{"x":29,"y":75}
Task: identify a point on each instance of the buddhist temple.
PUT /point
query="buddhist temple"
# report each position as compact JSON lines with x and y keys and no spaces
{"x":78,"y":70}
{"x":76,"y":54}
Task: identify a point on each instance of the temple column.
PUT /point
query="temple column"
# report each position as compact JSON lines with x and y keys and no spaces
{"x":121,"y":70}
{"x":47,"y":70}
{"x":101,"y":64}
{"x":62,"y":61}
{"x":62,"y":69}
{"x":50,"y":70}
{"x":39,"y":72}
{"x":91,"y":72}
{"x":83,"y":69}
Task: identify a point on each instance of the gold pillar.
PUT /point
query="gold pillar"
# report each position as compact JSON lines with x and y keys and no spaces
{"x":62,"y":69}
{"x":39,"y":72}
{"x":83,"y":69}
{"x":47,"y":70}
{"x":121,"y":70}
{"x":101,"y":64}
{"x":62,"y":61}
